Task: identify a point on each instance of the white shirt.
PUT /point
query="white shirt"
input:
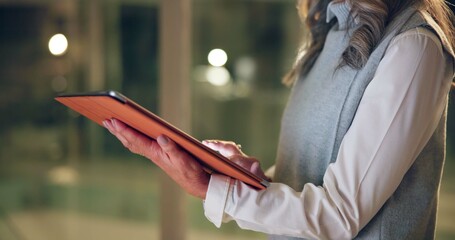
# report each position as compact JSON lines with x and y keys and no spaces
{"x":397,"y":115}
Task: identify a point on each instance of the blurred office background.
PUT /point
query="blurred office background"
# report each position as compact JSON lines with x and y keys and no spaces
{"x":63,"y":177}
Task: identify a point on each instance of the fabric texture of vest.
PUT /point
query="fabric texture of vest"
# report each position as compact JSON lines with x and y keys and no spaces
{"x":320,"y":111}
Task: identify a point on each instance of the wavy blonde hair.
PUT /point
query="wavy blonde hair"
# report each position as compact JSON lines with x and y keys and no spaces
{"x":373,"y":15}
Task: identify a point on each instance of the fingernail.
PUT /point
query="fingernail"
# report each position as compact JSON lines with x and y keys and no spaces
{"x":162,"y":140}
{"x":114,"y":122}
{"x":108,"y":125}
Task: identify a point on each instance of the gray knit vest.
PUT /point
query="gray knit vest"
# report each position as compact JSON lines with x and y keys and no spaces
{"x":320,"y":110}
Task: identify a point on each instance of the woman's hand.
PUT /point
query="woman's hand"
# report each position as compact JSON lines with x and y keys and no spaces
{"x":165,"y":153}
{"x":235,"y":154}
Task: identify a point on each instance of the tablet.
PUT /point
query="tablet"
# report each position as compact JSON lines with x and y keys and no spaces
{"x":99,"y":106}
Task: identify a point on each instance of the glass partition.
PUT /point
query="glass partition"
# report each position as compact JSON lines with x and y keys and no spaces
{"x":64,"y":177}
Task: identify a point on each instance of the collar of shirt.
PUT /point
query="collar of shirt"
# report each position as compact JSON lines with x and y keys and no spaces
{"x":341,"y":11}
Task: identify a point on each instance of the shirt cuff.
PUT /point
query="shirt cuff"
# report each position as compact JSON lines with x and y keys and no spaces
{"x":215,"y":200}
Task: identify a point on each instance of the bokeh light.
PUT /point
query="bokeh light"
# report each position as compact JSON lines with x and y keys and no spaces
{"x":58,"y":44}
{"x":217,"y":57}
{"x":218,"y":76}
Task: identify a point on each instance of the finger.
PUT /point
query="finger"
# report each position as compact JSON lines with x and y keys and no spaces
{"x":225,"y":148}
{"x":256,"y":169}
{"x":109,"y":125}
{"x":135,"y":141}
{"x":244,"y":162}
{"x":177,"y":155}
{"x":250,"y":164}
{"x":127,"y":135}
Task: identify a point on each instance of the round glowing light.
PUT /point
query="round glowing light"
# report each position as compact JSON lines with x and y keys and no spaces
{"x":59,"y":84}
{"x":218,"y":76}
{"x":58,"y":44}
{"x":217,"y":57}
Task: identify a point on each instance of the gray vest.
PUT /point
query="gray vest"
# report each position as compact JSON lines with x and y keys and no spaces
{"x":320,"y":111}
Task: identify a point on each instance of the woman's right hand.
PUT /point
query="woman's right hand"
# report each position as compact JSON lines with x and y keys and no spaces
{"x":233,"y":152}
{"x":166,"y":154}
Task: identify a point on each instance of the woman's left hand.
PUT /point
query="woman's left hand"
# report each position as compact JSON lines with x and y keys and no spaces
{"x":233,"y":152}
{"x":165,"y":153}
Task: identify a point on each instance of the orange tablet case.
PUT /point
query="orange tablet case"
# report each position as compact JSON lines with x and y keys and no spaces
{"x":100,"y":106}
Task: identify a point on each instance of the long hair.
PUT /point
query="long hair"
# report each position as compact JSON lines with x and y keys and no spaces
{"x":373,"y":16}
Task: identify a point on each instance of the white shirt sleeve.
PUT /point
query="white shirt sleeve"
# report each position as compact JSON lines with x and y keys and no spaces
{"x":397,"y":115}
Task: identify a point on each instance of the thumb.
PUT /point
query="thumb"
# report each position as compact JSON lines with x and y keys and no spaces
{"x":168,"y":146}
{"x":225,"y":148}
{"x":177,"y":155}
